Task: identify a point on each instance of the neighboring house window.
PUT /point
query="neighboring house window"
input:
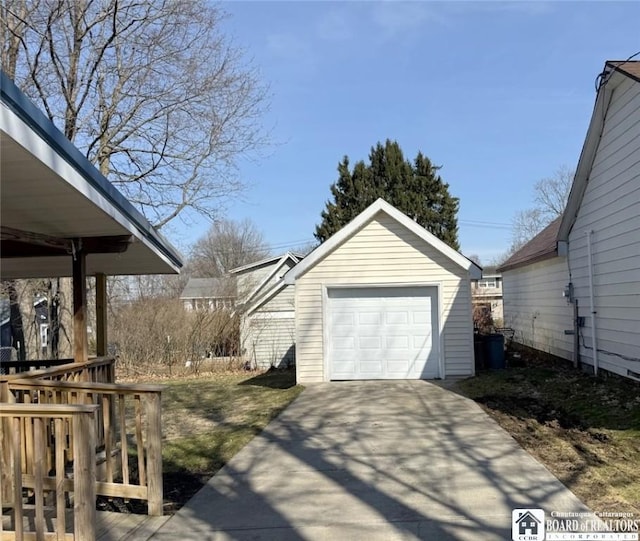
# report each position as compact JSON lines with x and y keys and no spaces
{"x":486,"y":283}
{"x":44,"y":335}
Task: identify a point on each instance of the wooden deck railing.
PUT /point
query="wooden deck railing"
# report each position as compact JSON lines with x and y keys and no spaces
{"x":129,"y":416}
{"x":16,"y":367}
{"x":99,"y":370}
{"x":22,"y":422}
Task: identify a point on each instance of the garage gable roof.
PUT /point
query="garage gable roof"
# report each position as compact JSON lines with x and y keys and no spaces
{"x":349,"y":230}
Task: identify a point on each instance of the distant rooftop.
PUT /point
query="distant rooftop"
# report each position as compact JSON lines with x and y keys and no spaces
{"x":209,"y":288}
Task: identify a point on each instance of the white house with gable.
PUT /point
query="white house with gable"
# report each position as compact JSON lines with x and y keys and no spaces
{"x":592,"y":253}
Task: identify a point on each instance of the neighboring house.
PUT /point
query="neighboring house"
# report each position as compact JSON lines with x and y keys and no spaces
{"x":267,"y":327}
{"x":592,"y":253}
{"x":35,"y":329}
{"x":383,"y":299}
{"x":209,"y":294}
{"x":487,"y":291}
{"x":534,"y":279}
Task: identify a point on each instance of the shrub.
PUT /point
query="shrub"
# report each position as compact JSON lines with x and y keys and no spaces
{"x":158,"y":336}
{"x":482,"y":319}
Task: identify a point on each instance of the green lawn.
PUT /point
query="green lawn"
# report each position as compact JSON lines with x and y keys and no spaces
{"x":586,"y":430}
{"x":209,"y":419}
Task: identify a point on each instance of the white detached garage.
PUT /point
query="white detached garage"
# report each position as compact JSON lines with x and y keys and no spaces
{"x":383,"y":299}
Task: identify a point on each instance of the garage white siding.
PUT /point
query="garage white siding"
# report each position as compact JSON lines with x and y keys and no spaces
{"x":535,"y":308}
{"x":382,"y":252}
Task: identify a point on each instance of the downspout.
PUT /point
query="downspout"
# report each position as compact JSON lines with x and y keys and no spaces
{"x":594,"y":342}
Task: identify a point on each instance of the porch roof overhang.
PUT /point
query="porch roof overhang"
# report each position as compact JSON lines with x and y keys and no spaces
{"x":54,"y":201}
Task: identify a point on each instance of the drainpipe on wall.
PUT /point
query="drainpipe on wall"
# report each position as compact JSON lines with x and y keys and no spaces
{"x":576,"y":335}
{"x":594,"y":342}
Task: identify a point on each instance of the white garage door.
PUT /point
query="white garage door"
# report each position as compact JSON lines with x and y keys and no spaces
{"x":383,"y":333}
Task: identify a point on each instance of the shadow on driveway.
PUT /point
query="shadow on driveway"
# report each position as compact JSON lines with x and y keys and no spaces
{"x":373,"y":460}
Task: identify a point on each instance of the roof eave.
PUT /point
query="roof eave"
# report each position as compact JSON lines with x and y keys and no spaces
{"x":530,"y":261}
{"x":18,"y":103}
{"x":267,"y":260}
{"x":589,"y":150}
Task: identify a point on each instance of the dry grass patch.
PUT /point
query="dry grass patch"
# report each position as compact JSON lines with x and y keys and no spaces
{"x":206,"y":420}
{"x":585,"y":430}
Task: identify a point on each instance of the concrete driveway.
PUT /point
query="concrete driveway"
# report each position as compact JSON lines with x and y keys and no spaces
{"x":373,"y":461}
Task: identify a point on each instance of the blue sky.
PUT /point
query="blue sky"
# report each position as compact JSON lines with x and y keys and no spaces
{"x":499,"y":94}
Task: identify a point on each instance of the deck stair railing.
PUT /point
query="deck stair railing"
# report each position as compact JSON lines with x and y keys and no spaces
{"x":37,"y":518}
{"x":126,"y":428}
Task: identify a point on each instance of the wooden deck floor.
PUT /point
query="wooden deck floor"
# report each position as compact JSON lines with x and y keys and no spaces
{"x":109,"y":526}
{"x":121,"y":527}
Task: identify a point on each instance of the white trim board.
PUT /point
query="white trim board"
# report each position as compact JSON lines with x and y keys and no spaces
{"x":266,"y":280}
{"x":264,"y":261}
{"x":270,"y":294}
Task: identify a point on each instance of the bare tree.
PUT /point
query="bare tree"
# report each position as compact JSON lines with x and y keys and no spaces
{"x":228,"y":244}
{"x":152,"y":92}
{"x":305,"y":248}
{"x":550,"y":199}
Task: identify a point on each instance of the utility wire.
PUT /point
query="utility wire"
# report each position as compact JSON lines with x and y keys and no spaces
{"x":603,"y":77}
{"x":623,"y":357}
{"x":303,"y":242}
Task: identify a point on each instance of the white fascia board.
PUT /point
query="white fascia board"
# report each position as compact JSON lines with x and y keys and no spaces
{"x":588,"y":154}
{"x":280,"y":264}
{"x":380,"y":205}
{"x":21,"y":133}
{"x":277,"y":288}
{"x":263,"y":262}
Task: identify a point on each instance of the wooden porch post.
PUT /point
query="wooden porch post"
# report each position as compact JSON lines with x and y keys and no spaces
{"x":101,"y":315}
{"x":80,"y":348}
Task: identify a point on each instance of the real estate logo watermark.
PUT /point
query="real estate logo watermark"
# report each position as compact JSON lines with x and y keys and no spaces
{"x":533,"y":525}
{"x":527,"y":525}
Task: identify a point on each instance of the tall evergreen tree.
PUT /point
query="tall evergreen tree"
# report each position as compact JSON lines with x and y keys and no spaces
{"x":414,"y":188}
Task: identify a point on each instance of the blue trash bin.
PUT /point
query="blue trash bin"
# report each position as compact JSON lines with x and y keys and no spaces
{"x":494,"y":351}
